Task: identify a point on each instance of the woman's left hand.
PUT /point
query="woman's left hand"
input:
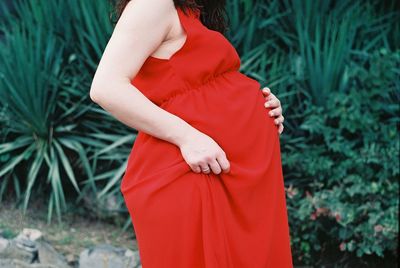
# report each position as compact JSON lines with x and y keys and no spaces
{"x":276,"y":109}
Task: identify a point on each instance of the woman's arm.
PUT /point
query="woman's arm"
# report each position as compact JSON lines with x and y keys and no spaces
{"x":141,"y":29}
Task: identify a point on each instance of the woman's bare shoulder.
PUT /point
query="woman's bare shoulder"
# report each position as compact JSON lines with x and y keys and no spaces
{"x":161,"y":10}
{"x":140,"y":30}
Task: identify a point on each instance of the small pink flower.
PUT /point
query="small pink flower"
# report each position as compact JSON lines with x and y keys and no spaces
{"x":342,"y":246}
{"x":378,"y":228}
{"x":337,"y":216}
{"x":322,"y":211}
{"x":313,"y":216}
{"x":291,"y":192}
{"x":308,"y":194}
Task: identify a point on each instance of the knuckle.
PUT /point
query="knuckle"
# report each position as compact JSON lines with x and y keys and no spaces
{"x":194,"y":163}
{"x":208,"y":158}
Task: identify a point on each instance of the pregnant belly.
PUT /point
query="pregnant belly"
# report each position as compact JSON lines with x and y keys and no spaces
{"x":230,"y":109}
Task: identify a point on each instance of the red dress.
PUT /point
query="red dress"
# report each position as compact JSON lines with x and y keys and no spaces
{"x":185,"y":219}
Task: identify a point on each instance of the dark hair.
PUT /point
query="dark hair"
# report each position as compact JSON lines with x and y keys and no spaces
{"x":212,"y":12}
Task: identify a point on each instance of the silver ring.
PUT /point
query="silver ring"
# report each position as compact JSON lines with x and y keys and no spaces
{"x":207,"y":169}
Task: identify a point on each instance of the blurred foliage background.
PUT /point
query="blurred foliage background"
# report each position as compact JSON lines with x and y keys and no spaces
{"x":335,"y":66}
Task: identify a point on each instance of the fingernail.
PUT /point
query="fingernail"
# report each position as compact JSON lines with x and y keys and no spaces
{"x":266,"y":104}
{"x":271,"y":113}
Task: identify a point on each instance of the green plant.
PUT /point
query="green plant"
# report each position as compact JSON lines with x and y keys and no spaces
{"x":53,"y":137}
{"x":344,"y":205}
{"x":31,"y":112}
{"x":334,"y":65}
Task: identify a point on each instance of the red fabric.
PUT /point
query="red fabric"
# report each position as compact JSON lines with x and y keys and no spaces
{"x":187,"y":219}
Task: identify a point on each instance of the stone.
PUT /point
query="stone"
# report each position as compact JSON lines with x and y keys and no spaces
{"x":32,"y":234}
{"x":12,"y":263}
{"x":25,"y":244}
{"x":28,"y":249}
{"x":17,"y":250}
{"x":107,"y":256}
{"x":3,"y":244}
{"x":71,"y":258}
{"x":48,"y":255}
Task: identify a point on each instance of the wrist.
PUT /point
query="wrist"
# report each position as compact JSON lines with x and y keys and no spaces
{"x":182,"y":132}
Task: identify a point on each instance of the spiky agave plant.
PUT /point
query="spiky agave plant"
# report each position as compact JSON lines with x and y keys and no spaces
{"x":30,"y":87}
{"x":54,"y":141}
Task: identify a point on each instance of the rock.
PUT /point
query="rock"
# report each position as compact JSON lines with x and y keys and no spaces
{"x":107,"y":256}
{"x":29,"y":250}
{"x":11,"y":263}
{"x":25,"y":244}
{"x":32,"y":234}
{"x":19,"y":250}
{"x":135,"y":256}
{"x":3,"y":244}
{"x":48,"y":255}
{"x":106,"y":207}
{"x":71,"y":258}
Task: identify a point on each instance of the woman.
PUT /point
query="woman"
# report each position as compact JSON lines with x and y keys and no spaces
{"x":203,"y":184}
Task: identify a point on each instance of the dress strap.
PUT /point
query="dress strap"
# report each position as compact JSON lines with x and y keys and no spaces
{"x":186,"y":16}
{"x":186,"y":20}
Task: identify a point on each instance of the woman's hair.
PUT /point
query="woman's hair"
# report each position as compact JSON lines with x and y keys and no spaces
{"x":212,"y":12}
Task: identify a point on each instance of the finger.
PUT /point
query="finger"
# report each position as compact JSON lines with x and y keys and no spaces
{"x":275,"y":99}
{"x":215,"y":167}
{"x":279,"y":120}
{"x":277,"y":112}
{"x":266,"y":91}
{"x":268,"y":104}
{"x":271,"y":96}
{"x":280,"y":130}
{"x":195,"y":168}
{"x":205,"y":168}
{"x":224,"y":163}
{"x":273,"y":103}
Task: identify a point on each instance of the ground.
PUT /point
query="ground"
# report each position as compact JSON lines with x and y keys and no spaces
{"x":72,"y":236}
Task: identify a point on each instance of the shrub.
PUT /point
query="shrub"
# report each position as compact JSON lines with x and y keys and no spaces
{"x":345,"y":197}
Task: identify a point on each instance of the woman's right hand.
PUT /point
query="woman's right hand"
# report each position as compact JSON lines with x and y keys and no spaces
{"x":203,"y":154}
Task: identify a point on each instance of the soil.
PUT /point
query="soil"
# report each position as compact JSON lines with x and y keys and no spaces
{"x":72,"y":236}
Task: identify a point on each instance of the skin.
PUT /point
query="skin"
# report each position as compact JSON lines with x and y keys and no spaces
{"x":276,"y":109}
{"x":111,"y":87}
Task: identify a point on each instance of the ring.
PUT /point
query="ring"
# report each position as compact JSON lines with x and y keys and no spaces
{"x":207,"y":169}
